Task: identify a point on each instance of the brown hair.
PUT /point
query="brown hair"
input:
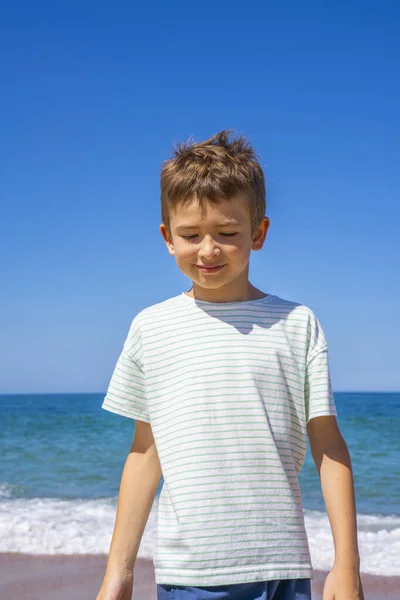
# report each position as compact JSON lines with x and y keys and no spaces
{"x":218,"y":168}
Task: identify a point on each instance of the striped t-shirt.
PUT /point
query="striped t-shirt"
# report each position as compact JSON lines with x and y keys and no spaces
{"x":228,"y":389}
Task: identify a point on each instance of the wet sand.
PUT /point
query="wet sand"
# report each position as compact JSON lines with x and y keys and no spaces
{"x":78,"y":577}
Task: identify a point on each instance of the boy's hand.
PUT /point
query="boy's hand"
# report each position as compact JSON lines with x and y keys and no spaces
{"x":118,"y":586}
{"x":343,"y":583}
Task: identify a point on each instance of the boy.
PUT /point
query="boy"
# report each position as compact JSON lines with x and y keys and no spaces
{"x":225,"y":382}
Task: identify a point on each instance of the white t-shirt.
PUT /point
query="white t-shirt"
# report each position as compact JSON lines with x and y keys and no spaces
{"x":228,"y":389}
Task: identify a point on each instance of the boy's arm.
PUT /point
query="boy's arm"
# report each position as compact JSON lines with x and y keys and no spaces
{"x":139,"y":482}
{"x":333,"y":463}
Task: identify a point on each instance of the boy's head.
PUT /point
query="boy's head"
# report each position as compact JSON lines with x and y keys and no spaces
{"x":213,"y":210}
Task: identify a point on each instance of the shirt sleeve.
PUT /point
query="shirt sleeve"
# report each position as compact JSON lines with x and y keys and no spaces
{"x":126,"y":393}
{"x":318,"y":393}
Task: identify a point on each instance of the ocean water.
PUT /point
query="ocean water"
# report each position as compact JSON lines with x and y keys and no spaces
{"x":62,"y":457}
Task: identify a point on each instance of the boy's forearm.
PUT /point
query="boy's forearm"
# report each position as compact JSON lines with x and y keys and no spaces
{"x":139,"y":482}
{"x":337,"y":486}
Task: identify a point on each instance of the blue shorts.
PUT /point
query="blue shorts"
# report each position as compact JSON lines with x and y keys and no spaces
{"x":278,"y":589}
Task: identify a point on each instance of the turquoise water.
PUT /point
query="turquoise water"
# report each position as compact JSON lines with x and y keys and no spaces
{"x":62,"y":457}
{"x":65,"y":446}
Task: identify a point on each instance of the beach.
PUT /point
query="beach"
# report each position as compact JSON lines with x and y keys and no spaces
{"x":78,"y":577}
{"x":57,"y":515}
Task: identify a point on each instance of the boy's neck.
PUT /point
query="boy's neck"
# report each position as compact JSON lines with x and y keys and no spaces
{"x":218,"y":295}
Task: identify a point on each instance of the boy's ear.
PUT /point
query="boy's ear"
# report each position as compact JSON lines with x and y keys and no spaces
{"x":167,"y":239}
{"x":260,"y":234}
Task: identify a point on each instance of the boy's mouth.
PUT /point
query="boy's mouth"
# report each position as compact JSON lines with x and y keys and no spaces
{"x":210,"y":269}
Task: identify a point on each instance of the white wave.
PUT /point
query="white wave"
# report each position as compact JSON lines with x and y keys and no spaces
{"x":52,"y":526}
{"x":8,"y":490}
{"x":378,"y":542}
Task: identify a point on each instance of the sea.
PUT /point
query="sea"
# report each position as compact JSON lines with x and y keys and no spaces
{"x":62,"y":458}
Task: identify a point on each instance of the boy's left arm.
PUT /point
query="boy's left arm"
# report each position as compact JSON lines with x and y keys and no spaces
{"x":332,"y":460}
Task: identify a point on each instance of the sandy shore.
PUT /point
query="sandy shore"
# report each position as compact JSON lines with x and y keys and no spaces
{"x":78,"y":577}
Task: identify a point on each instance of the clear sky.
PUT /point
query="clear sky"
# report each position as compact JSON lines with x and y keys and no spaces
{"x":93,"y":96}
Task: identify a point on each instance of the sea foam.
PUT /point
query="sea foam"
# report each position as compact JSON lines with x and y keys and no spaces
{"x":53,"y":526}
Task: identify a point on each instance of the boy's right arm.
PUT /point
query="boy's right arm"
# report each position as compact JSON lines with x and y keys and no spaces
{"x":139,"y":482}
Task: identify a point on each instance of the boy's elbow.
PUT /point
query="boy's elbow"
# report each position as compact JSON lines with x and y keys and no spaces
{"x":326,"y":440}
{"x":144,"y":445}
{"x":143,"y":440}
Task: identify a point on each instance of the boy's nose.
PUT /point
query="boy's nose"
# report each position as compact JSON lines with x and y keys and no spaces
{"x":208,"y":248}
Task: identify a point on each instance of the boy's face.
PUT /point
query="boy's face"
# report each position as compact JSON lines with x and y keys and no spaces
{"x":218,"y":236}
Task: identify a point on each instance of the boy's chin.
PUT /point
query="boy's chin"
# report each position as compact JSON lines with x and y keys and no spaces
{"x":209,"y":285}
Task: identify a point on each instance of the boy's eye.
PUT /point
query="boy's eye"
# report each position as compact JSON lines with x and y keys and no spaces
{"x":189,"y":237}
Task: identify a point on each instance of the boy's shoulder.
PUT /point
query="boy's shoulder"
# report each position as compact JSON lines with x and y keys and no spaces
{"x":297,"y":316}
{"x":162,"y":307}
{"x":175,"y":306}
{"x":298,"y":309}
{"x":156,"y":313}
{"x":297,"y":320}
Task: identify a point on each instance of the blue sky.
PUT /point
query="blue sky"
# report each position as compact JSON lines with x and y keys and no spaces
{"x":93,"y":96}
